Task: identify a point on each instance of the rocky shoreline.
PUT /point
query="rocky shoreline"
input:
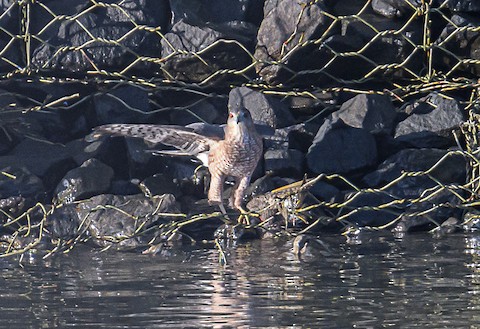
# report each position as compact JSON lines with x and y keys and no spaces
{"x":343,"y":146}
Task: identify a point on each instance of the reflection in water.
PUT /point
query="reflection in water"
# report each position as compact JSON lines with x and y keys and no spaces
{"x":378,"y":281}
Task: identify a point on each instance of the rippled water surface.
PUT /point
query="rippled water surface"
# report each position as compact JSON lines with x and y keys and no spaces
{"x":382,"y":281}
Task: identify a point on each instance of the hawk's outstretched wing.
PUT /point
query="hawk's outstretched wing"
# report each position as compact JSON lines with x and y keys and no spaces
{"x":183,"y":138}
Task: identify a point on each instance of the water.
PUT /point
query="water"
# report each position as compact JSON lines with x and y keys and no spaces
{"x":380,"y":281}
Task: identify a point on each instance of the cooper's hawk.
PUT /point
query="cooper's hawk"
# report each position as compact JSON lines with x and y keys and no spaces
{"x":233,"y":151}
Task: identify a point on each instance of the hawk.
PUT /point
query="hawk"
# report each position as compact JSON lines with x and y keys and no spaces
{"x":232,"y":151}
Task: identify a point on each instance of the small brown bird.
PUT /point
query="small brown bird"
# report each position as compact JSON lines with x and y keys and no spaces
{"x":230,"y":152}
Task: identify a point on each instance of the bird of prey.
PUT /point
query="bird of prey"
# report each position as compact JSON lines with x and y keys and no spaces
{"x":232,"y":151}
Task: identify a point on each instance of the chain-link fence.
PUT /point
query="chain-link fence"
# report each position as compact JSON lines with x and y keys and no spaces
{"x":67,"y":66}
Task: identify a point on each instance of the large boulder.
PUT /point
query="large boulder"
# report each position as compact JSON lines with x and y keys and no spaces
{"x":91,"y":178}
{"x":120,"y":221}
{"x":206,"y":52}
{"x":284,"y":29}
{"x":432,"y":128}
{"x":341,"y":149}
{"x":452,"y":169}
{"x":373,"y":113}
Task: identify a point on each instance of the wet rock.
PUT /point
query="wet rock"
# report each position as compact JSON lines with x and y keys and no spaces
{"x":358,"y":149}
{"x":432,"y":129}
{"x":228,"y":233}
{"x":122,"y":105}
{"x":217,"y":11}
{"x":283,"y":28}
{"x":451,"y":170}
{"x":91,"y":178}
{"x":459,"y":40}
{"x":64,"y":222}
{"x":119,"y":221}
{"x":373,"y":113}
{"x":186,"y":42}
{"x":284,"y":162}
{"x":69,"y":45}
{"x":265,"y":109}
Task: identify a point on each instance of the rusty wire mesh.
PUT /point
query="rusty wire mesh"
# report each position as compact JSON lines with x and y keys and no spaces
{"x":27,"y":54}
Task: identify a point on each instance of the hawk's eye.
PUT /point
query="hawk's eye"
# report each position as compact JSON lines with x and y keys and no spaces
{"x":230,"y":115}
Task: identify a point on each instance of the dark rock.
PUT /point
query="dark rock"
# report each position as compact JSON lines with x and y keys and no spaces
{"x":43,"y":158}
{"x":12,"y":58}
{"x":159,"y":184}
{"x":433,"y":129}
{"x":372,"y":113}
{"x":204,"y":110}
{"x":119,"y":221}
{"x":464,"y":5}
{"x":358,"y":149}
{"x":217,"y":11}
{"x":198,"y":53}
{"x":430,"y":213}
{"x":459,"y":40}
{"x":324,"y":191}
{"x":452,"y":169}
{"x":19,"y":181}
{"x":283,"y":28}
{"x":395,"y":8}
{"x":77,"y":45}
{"x":381,"y":49}
{"x":91,"y":178}
{"x":364,"y":210}
{"x":122,"y":105}
{"x":284,"y":162}
{"x":124,"y":187}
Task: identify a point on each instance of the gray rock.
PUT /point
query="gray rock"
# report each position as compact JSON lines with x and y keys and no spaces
{"x":340,"y":149}
{"x":120,"y":221}
{"x":265,"y":109}
{"x":432,"y":129}
{"x":459,"y":40}
{"x":283,"y":28}
{"x":373,"y":113}
{"x":395,"y":8}
{"x":451,"y":170}
{"x":69,"y":47}
{"x":91,"y":178}
{"x":197,"y":53}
